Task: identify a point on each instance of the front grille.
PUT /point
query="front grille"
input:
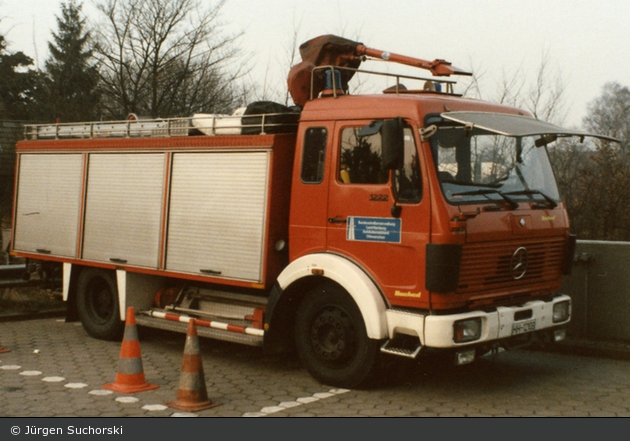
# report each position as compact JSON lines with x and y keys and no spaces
{"x":486,"y":267}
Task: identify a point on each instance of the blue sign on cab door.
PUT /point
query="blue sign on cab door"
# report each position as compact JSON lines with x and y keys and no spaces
{"x":373,"y":229}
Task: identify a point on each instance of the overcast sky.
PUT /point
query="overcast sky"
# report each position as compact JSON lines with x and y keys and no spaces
{"x":587,"y":42}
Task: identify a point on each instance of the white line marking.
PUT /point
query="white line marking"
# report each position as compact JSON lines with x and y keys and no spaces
{"x":100,"y":392}
{"x":127,"y":399}
{"x":183,"y":414}
{"x":154,"y":407}
{"x":75,"y":385}
{"x":53,"y":379}
{"x":298,"y":402}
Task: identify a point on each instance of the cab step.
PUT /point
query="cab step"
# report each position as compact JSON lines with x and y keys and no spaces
{"x":389,"y":347}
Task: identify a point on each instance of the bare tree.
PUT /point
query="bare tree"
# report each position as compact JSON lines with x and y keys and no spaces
{"x":610,"y":114}
{"x":602,"y":211}
{"x":544,"y":97}
{"x":592,"y":176}
{"x":291,"y":56}
{"x":164,"y":58}
{"x":271,"y":86}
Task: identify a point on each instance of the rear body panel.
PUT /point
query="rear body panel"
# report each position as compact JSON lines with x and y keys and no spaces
{"x":203,"y":208}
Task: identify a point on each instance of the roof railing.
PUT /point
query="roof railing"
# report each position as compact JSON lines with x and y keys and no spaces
{"x":430,"y":84}
{"x":198,"y":124}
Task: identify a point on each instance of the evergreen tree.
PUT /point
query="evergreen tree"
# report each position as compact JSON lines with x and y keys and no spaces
{"x":16,"y":84}
{"x":70,"y":91}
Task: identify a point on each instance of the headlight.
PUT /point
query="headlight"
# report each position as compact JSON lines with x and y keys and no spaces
{"x":561,"y":311}
{"x":467,"y":330}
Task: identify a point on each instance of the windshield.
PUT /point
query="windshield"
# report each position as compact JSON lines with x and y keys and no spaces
{"x":476,"y":166}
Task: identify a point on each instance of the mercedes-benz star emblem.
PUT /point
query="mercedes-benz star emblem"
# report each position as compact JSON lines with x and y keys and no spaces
{"x":518,"y":263}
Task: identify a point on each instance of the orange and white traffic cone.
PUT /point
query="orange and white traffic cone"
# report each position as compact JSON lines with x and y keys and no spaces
{"x":192,"y":395}
{"x":130,"y":375}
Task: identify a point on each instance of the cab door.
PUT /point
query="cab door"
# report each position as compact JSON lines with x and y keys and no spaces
{"x":382,"y":230}
{"x":309,"y":190}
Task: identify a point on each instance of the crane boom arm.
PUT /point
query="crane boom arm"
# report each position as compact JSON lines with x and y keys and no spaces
{"x":438,"y":67}
{"x":330,"y":50}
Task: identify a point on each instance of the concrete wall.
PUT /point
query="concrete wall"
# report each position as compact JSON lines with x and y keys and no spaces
{"x":599,"y":286}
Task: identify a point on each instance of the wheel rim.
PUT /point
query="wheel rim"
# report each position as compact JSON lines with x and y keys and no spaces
{"x":99,"y":301}
{"x":333,"y":336}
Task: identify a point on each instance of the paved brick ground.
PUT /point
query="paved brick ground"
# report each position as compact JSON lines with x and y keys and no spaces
{"x":54,"y":369}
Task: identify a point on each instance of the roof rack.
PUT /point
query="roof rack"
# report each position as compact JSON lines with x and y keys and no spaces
{"x":198,"y":124}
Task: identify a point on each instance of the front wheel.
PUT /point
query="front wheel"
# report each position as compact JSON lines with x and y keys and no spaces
{"x":97,"y":304}
{"x":332,"y":341}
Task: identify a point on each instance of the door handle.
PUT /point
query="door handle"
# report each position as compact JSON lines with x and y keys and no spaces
{"x":334,"y":220}
{"x":210,"y":271}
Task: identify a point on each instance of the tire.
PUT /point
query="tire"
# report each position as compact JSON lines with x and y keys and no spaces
{"x":332,"y":341}
{"x":97,"y":304}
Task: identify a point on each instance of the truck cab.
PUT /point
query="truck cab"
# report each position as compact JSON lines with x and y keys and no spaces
{"x":447,"y":230}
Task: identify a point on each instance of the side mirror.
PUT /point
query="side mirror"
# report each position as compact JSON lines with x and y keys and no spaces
{"x":393,"y":143}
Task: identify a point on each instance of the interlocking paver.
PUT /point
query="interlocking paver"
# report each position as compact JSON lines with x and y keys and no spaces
{"x":246,"y":382}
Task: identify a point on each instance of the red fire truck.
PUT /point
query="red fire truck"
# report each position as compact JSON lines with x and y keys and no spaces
{"x":346,"y":227}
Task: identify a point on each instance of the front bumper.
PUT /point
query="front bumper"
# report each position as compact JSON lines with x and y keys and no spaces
{"x":506,"y":322}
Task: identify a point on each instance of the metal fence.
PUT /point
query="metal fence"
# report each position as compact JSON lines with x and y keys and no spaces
{"x":599,"y":286}
{"x":10,"y":133}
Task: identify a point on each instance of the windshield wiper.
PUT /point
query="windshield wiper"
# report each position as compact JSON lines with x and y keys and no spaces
{"x":485,"y":192}
{"x":550,"y":202}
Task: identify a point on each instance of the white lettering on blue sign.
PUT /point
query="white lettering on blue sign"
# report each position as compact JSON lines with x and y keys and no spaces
{"x":374,"y":229}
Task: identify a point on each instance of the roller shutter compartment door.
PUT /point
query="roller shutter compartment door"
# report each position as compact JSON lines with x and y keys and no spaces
{"x":123,"y":211}
{"x":217,"y":214}
{"x":49,"y":197}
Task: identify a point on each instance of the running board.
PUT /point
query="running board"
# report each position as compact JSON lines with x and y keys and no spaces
{"x":205,"y":328}
{"x":389,"y":348}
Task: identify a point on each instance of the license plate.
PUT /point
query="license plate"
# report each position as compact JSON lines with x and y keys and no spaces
{"x":523,"y":327}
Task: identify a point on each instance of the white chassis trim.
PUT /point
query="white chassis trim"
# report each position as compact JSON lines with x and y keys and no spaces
{"x":67,"y":272}
{"x":496,"y":325}
{"x":352,"y":278}
{"x":434,"y":331}
{"x":134,"y":289}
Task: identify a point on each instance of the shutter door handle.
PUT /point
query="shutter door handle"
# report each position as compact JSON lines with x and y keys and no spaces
{"x":211,"y":272}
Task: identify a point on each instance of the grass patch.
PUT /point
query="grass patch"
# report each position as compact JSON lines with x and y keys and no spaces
{"x":30,"y":299}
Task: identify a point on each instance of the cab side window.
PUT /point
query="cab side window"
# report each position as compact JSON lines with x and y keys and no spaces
{"x":360,"y":162}
{"x":314,"y":155}
{"x":361,"y":158}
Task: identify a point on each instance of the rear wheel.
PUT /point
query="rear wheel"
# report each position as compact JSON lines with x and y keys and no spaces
{"x":332,"y":341}
{"x":97,"y":304}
